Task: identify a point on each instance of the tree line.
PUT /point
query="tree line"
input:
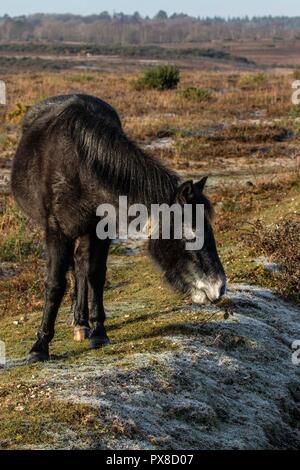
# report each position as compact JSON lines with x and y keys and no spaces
{"x":123,"y":29}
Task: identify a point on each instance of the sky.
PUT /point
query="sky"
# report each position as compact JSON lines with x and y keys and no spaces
{"x":224,"y":8}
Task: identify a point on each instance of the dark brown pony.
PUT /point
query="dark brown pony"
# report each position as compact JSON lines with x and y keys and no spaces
{"x":72,"y":157}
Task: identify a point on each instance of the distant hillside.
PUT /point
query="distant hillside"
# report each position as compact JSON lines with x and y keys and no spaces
{"x":121,"y":29}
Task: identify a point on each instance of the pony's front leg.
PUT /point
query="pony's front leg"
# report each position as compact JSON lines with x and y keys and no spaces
{"x":59,"y":250}
{"x":96,"y":279}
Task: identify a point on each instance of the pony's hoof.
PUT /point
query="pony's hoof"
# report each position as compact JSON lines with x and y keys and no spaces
{"x":98,"y":342}
{"x":37,"y":356}
{"x":81,"y":333}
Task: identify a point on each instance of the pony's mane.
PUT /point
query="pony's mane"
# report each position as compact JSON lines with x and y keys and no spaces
{"x":119,"y":163}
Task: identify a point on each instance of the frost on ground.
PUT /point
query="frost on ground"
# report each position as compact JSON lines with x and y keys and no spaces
{"x":230,"y":384}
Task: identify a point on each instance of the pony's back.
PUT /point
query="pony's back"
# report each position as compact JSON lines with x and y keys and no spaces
{"x":54,"y":105}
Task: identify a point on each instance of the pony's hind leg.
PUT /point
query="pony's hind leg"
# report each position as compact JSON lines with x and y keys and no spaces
{"x":80,"y":301}
{"x":96,"y":279}
{"x":60,"y":251}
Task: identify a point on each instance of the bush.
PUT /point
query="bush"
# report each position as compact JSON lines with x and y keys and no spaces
{"x":196,"y":94}
{"x":162,"y":77}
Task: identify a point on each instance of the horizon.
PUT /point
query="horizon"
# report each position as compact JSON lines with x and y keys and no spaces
{"x":216,"y":8}
{"x":225,"y":18}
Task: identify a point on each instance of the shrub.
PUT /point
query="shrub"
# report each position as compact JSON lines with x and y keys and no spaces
{"x":162,"y":77}
{"x":196,"y":94}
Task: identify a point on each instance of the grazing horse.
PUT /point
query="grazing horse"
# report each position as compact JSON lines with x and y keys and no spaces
{"x":73,"y":156}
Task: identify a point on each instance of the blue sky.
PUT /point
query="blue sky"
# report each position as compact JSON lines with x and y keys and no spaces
{"x":193,"y":7}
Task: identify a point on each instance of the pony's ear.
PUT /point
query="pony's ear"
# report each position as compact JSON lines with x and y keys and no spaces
{"x":201,"y":184}
{"x":185,"y":192}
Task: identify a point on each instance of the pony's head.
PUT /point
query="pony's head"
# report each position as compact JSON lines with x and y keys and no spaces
{"x":198,"y":273}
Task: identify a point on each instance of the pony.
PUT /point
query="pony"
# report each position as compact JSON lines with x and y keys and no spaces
{"x":73,"y":155}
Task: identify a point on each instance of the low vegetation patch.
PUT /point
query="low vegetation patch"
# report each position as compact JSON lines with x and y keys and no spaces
{"x":17,"y":113}
{"x":30,"y":417}
{"x":280,"y":243}
{"x":196,"y":94}
{"x":81,"y":78}
{"x":296,"y":74}
{"x":253,"y":80}
{"x":19,"y":239}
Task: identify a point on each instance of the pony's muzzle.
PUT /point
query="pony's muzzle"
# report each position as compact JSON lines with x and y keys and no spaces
{"x":217,"y":290}
{"x":210,"y":293}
